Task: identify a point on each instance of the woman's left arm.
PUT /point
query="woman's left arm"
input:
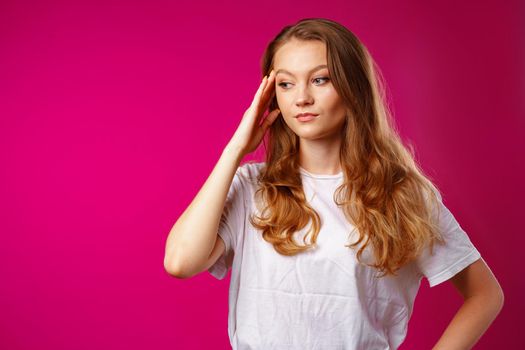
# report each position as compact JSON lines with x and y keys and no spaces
{"x":483,"y":300}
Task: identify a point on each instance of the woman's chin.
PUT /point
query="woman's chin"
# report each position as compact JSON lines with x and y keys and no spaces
{"x":312,"y":134}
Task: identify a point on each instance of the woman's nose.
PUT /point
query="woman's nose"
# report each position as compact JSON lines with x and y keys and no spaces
{"x":303,"y":97}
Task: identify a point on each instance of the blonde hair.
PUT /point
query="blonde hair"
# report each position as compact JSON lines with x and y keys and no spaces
{"x":385,"y":194}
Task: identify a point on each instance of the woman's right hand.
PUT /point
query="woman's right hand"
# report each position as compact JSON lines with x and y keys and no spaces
{"x":250,"y":131}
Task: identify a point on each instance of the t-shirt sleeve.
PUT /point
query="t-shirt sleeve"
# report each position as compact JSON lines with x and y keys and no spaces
{"x":231,"y":224}
{"x":447,"y":260}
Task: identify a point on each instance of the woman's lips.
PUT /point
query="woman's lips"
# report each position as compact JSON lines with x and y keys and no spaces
{"x":305,"y":118}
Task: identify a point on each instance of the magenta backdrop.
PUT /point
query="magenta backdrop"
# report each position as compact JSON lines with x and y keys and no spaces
{"x":113,"y":114}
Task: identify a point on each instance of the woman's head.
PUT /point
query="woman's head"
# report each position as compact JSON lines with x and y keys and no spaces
{"x":385,"y":194}
{"x":303,"y":85}
{"x":345,"y":100}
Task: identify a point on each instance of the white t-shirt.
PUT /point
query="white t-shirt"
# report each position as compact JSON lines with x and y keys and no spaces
{"x":322,"y":298}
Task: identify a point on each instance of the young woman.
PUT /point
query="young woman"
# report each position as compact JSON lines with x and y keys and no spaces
{"x":329,"y":238}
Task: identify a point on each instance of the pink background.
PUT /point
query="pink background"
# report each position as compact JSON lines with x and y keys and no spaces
{"x":113,"y":114}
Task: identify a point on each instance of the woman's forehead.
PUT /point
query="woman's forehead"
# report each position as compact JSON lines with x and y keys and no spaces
{"x":303,"y":56}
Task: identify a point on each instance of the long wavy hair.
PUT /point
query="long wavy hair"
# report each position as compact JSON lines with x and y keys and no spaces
{"x":384,"y":195}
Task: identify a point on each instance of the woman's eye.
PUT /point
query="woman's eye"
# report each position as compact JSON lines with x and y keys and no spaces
{"x":316,"y":79}
{"x":322,"y":78}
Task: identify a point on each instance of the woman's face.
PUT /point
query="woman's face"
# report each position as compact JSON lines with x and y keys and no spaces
{"x":303,"y":85}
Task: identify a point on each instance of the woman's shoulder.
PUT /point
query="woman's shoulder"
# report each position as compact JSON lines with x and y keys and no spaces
{"x":250,"y":170}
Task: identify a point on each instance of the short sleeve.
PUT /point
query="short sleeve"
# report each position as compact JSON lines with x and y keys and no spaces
{"x":456,"y":254}
{"x":231,"y":224}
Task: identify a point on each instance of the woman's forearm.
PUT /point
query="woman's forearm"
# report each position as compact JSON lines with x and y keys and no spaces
{"x":470,"y":322}
{"x":192,"y":237}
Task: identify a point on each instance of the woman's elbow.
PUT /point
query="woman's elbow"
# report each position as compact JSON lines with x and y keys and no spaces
{"x":174,"y":269}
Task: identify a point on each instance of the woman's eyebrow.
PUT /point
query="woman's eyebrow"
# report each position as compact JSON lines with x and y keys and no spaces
{"x":311,"y":70}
